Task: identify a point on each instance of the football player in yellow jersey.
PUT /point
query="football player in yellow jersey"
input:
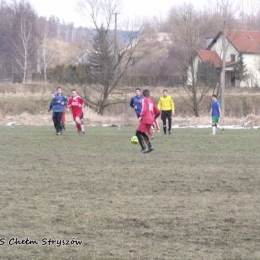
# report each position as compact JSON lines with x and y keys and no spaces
{"x":166,"y":105}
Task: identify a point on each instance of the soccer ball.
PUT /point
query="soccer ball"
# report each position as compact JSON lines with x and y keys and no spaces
{"x":134,"y":140}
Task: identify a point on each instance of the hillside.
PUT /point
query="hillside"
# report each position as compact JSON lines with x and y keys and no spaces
{"x":63,"y":52}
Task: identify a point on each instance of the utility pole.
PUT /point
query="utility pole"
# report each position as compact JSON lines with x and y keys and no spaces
{"x":223,"y":73}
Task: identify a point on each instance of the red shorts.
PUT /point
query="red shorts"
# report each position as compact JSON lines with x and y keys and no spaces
{"x":145,"y":128}
{"x":77,"y":115}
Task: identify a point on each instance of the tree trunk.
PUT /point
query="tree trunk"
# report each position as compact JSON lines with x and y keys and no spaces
{"x":45,"y":73}
{"x":103,"y":102}
{"x":25,"y":66}
{"x":195,"y":105}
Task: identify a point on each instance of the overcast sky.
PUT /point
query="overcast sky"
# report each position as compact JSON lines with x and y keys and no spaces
{"x":65,"y":9}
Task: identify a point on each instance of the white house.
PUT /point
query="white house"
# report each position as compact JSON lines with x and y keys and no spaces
{"x":246,"y":43}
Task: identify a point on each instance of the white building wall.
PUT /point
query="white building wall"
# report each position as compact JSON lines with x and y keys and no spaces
{"x":231,"y":50}
{"x":218,"y":47}
{"x":252,"y":62}
{"x":196,"y":64}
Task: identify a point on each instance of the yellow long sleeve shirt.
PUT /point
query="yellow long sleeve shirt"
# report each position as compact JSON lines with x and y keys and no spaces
{"x":166,"y":104}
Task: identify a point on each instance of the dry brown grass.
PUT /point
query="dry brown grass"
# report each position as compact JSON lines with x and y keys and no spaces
{"x":27,"y":105}
{"x":92,"y":118}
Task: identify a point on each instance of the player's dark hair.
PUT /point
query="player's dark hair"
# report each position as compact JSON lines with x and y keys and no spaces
{"x":146,"y":93}
{"x":58,"y":88}
{"x":138,"y":89}
{"x":74,"y":90}
{"x":214,"y":95}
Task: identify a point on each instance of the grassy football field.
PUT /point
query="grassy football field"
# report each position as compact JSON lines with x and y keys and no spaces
{"x":196,"y":196}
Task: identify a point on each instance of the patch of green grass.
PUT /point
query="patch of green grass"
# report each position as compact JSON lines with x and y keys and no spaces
{"x":196,"y":196}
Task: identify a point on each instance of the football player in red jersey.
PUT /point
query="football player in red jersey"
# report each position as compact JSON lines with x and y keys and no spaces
{"x":148,"y":114}
{"x":76,"y":104}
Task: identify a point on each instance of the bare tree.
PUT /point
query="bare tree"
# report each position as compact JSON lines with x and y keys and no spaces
{"x":47,"y":54}
{"x":22,"y":52}
{"x":249,"y":14}
{"x":189,"y":29}
{"x":23,"y":38}
{"x":5,"y":21}
{"x":113,"y":52}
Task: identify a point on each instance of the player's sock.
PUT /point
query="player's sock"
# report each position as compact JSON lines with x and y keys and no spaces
{"x":170,"y":124}
{"x":164,"y":129}
{"x":82,"y":128}
{"x":221,"y":128}
{"x":218,"y":126}
{"x":79,"y":127}
{"x":140,"y":140}
{"x":149,"y":144}
{"x":146,"y":138}
{"x":213,"y":130}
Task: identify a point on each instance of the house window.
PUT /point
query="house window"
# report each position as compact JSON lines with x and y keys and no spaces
{"x":233,"y":57}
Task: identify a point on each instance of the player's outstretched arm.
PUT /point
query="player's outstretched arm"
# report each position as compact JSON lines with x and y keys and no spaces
{"x":132,"y":103}
{"x":220,"y":113}
{"x":210,"y":112}
{"x":159,"y":104}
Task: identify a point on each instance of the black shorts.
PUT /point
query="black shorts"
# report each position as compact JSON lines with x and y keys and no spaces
{"x":138,"y":115}
{"x":166,"y":114}
{"x":82,"y":116}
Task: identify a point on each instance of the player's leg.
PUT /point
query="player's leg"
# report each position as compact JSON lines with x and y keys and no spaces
{"x":156,"y":123}
{"x":163,"y":117}
{"x":59,"y":126}
{"x":220,"y":127}
{"x":78,"y":124}
{"x":141,"y":140}
{"x":63,"y":118}
{"x":213,"y":128}
{"x":82,"y":123}
{"x":54,"y":118}
{"x":169,"y":116}
{"x":63,"y":126}
{"x":214,"y":124}
{"x":152,"y":131}
{"x":57,"y":122}
{"x":146,"y":139}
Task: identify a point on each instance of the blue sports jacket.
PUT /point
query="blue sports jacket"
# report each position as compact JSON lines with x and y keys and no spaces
{"x":57,"y":107}
{"x":135,"y":101}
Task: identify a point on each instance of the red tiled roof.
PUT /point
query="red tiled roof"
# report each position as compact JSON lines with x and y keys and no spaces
{"x":207,"y":55}
{"x":245,"y":41}
{"x":212,"y":56}
{"x":231,"y":63}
